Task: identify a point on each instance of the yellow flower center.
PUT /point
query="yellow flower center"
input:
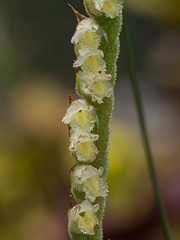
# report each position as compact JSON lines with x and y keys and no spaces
{"x":92,"y":185}
{"x":94,"y":64}
{"x":81,"y":119}
{"x":109,"y":5}
{"x":87,"y":222}
{"x":86,"y":151}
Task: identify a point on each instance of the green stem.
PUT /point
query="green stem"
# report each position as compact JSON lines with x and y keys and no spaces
{"x":138,"y":102}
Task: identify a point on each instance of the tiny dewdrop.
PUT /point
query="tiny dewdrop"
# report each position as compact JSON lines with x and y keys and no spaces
{"x":83,"y":219}
{"x":88,"y":179}
{"x":81,"y":143}
{"x":80,"y":115}
{"x":111,"y":8}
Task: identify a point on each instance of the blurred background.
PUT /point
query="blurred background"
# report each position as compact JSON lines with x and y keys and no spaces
{"x":36,"y":76}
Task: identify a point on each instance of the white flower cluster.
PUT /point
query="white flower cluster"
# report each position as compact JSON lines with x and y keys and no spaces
{"x":92,"y":77}
{"x":81,"y":118}
{"x":93,"y":81}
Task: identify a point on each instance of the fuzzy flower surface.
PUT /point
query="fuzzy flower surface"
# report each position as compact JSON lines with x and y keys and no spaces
{"x":82,"y":144}
{"x":95,"y":85}
{"x":92,"y":62}
{"x":88,"y":179}
{"x":86,"y":25}
{"x":111,"y":8}
{"x":83,"y":219}
{"x":86,"y":37}
{"x":80,"y":115}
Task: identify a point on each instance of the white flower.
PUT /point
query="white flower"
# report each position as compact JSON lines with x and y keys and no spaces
{"x":82,"y":58}
{"x":86,"y":38}
{"x":91,"y":63}
{"x":81,"y":143}
{"x":88,"y":179}
{"x":96,"y":85}
{"x":88,"y":42}
{"x":83,"y":219}
{"x":80,"y":115}
{"x":86,"y":25}
{"x":111,"y":8}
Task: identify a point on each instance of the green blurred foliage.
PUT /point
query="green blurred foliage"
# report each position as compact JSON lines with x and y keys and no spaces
{"x":168,"y":10}
{"x":127,"y":168}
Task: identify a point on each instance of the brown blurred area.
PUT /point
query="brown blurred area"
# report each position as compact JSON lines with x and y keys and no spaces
{"x":36,"y":77}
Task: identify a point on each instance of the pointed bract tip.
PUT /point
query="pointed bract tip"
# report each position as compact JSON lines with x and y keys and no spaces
{"x":79,"y":16}
{"x":70,"y":99}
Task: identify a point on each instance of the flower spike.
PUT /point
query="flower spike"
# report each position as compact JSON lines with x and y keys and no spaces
{"x":96,"y":47}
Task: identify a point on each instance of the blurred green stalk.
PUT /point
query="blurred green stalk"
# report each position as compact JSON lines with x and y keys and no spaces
{"x":139,"y":106}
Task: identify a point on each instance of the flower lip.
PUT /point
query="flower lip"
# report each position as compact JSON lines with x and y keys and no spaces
{"x":86,"y":171}
{"x":83,"y":218}
{"x":92,"y":77}
{"x":111,"y":8}
{"x":82,"y":58}
{"x":81,"y":143}
{"x":80,"y":115}
{"x":89,"y":180}
{"x":95,"y":85}
{"x":81,"y":137}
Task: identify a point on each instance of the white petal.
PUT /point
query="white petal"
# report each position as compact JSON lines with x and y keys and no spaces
{"x":81,"y":137}
{"x":80,"y":115}
{"x":81,"y":143}
{"x":88,"y":42}
{"x":85,"y":25}
{"x":83,"y":219}
{"x":83,"y":172}
{"x":81,"y":58}
{"x":111,"y":8}
{"x":96,"y":85}
{"x":88,"y":179}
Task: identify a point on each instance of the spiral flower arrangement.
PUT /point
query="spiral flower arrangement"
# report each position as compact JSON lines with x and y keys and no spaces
{"x":96,"y":46}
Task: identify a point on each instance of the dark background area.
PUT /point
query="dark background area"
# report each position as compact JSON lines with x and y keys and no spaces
{"x":36,"y":77}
